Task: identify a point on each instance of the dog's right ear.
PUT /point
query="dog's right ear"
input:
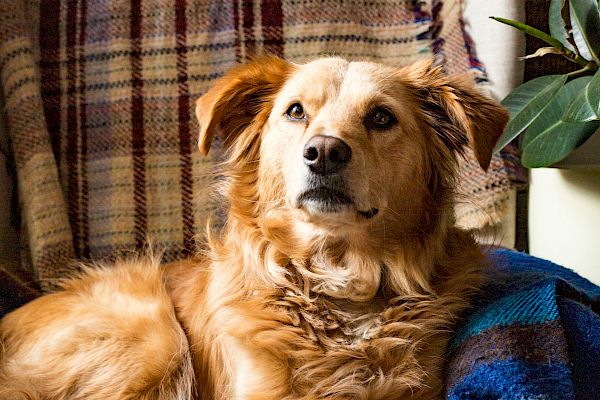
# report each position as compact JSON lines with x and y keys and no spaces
{"x":235,"y":99}
{"x":456,"y":110}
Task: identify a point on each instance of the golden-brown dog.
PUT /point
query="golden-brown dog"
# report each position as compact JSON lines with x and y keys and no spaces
{"x":339,"y":273}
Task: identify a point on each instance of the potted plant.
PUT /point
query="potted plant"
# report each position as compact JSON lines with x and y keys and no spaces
{"x":555,"y":114}
{"x":552,"y":116}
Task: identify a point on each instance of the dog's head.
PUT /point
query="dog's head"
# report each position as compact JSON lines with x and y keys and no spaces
{"x":344,"y":147}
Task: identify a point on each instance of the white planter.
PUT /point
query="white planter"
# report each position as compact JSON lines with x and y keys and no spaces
{"x":564,"y":212}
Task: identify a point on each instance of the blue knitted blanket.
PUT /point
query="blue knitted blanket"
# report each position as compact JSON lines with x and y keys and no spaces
{"x":533,"y":334}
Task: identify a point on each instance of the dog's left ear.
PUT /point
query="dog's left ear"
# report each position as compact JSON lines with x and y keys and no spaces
{"x":235,"y":100}
{"x":458,"y":112}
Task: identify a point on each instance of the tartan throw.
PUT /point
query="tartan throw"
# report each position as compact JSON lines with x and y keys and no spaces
{"x":533,"y":334}
{"x":99,"y":96}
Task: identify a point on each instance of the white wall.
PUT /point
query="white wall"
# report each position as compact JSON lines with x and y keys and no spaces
{"x":564,"y":218}
{"x":499,"y":46}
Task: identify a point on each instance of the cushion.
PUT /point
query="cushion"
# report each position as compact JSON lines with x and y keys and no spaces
{"x":532,"y":334}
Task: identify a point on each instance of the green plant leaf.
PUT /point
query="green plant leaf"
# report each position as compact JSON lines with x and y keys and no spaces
{"x":526,"y":102}
{"x":585,"y":20}
{"x":549,"y":139}
{"x":555,"y":109}
{"x":586,"y":105}
{"x":557,"y":144}
{"x":557,"y":23}
{"x":579,"y":110}
{"x":530,"y":30}
{"x":593,"y":93}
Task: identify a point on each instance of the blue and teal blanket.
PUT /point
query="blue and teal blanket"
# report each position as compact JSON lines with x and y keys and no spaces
{"x":533,"y":334}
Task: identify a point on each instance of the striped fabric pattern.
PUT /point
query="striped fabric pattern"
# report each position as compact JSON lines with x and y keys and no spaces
{"x":100,"y":96}
{"x":526,"y":335}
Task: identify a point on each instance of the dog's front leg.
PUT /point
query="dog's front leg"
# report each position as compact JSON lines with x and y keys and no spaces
{"x":254,"y":375}
{"x":227,"y":365}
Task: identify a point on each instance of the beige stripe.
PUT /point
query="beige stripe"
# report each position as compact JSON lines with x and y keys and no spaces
{"x":43,"y":204}
{"x":409,"y":31}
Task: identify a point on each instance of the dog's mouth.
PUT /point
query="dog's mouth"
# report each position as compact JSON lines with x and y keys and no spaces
{"x":327,"y":200}
{"x":369,"y":214}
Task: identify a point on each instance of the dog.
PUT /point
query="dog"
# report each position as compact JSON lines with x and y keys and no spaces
{"x":339,"y":273}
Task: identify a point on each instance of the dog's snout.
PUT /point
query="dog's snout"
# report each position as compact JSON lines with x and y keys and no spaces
{"x":326,"y":154}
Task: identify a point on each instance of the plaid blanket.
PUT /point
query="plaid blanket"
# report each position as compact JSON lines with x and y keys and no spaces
{"x":99,"y":97}
{"x":534,"y":334}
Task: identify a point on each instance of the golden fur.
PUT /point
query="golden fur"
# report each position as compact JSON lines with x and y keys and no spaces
{"x":291,"y":301}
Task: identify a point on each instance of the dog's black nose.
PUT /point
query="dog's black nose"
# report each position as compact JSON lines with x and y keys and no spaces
{"x":326,"y":154}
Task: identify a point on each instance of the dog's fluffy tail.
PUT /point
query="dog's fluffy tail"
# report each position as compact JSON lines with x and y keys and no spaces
{"x":109,"y":334}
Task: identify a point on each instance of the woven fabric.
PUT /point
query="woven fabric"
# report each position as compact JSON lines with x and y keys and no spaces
{"x":532,"y":334}
{"x":100,"y":96}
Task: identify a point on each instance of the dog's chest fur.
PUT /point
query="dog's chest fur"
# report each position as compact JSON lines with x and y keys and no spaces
{"x":332,"y":322}
{"x":341,"y":349}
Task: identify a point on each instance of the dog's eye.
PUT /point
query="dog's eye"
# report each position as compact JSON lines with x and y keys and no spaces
{"x":295,"y":112}
{"x":380,"y":119}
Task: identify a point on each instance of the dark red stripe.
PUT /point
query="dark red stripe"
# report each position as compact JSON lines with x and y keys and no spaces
{"x":248,"y":27}
{"x":49,"y":40}
{"x":437,"y":42}
{"x":138,"y":145}
{"x":84,"y":209}
{"x":236,"y":25}
{"x":185,"y":150}
{"x":272,"y":26}
{"x":72,"y":145}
